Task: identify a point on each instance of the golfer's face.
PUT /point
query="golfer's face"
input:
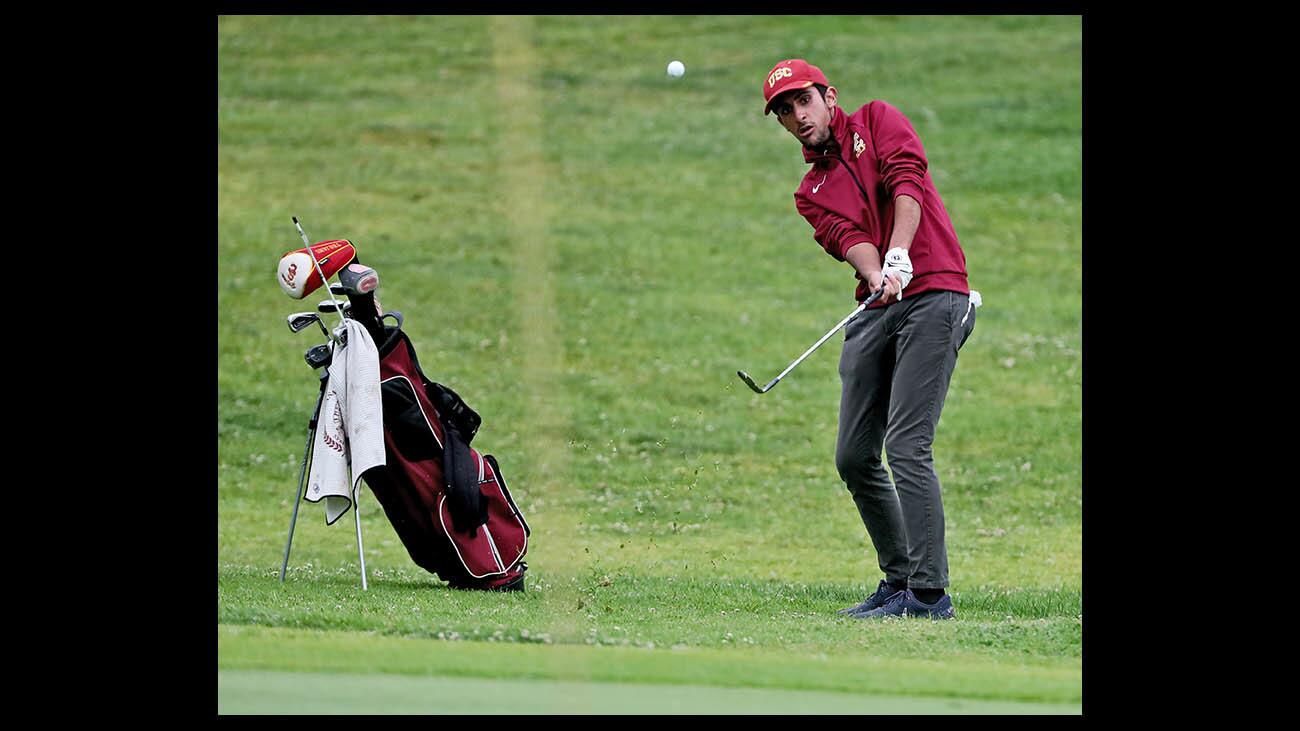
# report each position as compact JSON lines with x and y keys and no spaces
{"x":806,"y":115}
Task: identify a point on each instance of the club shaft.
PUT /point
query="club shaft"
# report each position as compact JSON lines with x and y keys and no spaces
{"x":865,"y":304}
{"x":325,"y":282}
{"x":818,"y":344}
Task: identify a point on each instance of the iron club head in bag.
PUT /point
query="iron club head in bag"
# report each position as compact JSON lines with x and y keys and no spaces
{"x":327,"y":306}
{"x":300,"y":321}
{"x":319,"y":356}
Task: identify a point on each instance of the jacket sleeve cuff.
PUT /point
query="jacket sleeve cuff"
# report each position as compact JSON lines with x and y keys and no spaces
{"x":911,"y":190}
{"x":851,"y":240}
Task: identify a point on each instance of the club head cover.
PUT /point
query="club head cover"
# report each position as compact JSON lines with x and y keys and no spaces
{"x":358,"y":279}
{"x":297,"y":274}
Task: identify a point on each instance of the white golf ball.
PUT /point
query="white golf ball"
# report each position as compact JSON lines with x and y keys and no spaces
{"x":676,"y":68}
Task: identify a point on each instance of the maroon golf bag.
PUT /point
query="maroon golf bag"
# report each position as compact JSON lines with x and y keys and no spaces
{"x":448,"y":503}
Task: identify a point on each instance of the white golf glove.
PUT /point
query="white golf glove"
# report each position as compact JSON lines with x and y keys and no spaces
{"x":975,"y":301}
{"x":898,"y":264}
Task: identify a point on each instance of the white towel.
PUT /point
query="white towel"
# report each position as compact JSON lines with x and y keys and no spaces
{"x":350,"y":431}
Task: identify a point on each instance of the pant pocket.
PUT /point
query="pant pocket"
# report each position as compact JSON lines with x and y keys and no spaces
{"x":964,"y":319}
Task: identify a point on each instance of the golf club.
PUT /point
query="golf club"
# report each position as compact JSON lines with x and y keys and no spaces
{"x":299,"y":321}
{"x":319,"y":356}
{"x":338,"y":306}
{"x":750,"y":382}
{"x":328,"y":306}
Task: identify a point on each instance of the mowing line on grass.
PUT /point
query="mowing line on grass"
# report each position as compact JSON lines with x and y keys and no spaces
{"x":524,"y":177}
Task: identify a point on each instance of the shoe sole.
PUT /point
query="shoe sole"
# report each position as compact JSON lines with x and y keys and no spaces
{"x":946,"y":613}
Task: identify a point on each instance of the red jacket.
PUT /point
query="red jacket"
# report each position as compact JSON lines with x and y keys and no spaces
{"x":878,"y":146}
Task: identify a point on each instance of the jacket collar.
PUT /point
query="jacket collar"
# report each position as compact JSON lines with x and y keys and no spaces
{"x":839,"y":128}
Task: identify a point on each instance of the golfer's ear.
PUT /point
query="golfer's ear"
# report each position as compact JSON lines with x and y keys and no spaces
{"x":830,"y":96}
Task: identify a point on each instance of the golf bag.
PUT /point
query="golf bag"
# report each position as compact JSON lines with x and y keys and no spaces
{"x":448,"y":503}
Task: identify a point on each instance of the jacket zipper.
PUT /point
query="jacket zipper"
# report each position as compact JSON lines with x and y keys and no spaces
{"x":865,"y":199}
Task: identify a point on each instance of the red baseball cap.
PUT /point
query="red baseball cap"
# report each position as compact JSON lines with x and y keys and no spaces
{"x":795,"y":73}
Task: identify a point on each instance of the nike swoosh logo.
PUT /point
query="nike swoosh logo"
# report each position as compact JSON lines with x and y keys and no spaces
{"x":818,"y":186}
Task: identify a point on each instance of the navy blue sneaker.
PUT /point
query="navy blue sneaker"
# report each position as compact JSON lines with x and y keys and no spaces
{"x":905,"y":604}
{"x":882,"y":595}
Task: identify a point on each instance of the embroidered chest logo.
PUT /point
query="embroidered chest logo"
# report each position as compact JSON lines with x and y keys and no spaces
{"x":858,"y":146}
{"x":818,"y":186}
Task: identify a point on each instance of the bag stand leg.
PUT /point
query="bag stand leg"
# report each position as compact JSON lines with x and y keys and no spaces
{"x":302,"y":473}
{"x":356,"y":514}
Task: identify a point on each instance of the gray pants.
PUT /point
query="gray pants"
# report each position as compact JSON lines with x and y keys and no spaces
{"x":895,"y":368}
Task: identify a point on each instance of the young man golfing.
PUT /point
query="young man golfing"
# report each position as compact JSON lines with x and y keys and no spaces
{"x":871,"y":202}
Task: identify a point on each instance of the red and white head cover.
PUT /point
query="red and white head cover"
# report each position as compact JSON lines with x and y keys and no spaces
{"x":297,"y":274}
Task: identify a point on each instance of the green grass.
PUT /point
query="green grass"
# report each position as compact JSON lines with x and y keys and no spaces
{"x":270,"y":692}
{"x":587,"y":251}
{"x":707,"y":678}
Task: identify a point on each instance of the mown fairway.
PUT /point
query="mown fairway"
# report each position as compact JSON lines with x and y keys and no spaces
{"x":587,"y":251}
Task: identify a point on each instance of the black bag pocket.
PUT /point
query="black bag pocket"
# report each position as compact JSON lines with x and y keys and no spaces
{"x":465,"y":501}
{"x":453,"y":410}
{"x":406,"y":422}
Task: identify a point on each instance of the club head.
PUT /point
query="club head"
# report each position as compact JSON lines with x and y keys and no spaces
{"x":750,"y":382}
{"x":337,"y":288}
{"x":318,"y":356}
{"x":298,"y":321}
{"x":327,"y":307}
